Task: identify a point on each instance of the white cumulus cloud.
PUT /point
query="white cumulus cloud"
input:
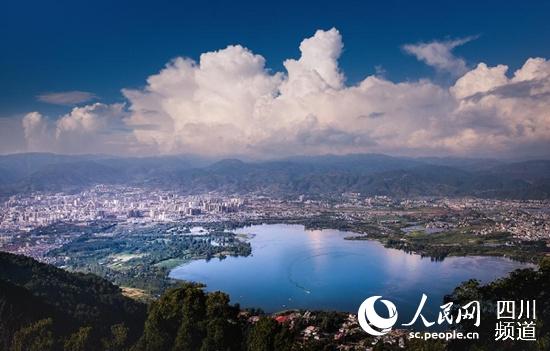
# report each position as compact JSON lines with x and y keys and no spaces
{"x":229,"y":104}
{"x":96,"y":128}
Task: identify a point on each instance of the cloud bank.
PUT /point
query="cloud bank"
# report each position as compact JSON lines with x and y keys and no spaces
{"x":228,"y":103}
{"x":67,"y":98}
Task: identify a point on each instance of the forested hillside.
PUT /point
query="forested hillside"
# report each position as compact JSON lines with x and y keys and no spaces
{"x":69,"y":305}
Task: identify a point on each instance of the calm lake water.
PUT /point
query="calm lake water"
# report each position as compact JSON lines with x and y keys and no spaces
{"x":291,"y":267}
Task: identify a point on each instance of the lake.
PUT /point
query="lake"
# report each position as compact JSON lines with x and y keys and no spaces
{"x":291,"y":267}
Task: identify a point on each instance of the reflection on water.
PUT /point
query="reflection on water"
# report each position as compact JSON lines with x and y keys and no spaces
{"x":294,"y":268}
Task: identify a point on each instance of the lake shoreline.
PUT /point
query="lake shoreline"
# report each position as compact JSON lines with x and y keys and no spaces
{"x":453,"y":244}
{"x":309,"y":270}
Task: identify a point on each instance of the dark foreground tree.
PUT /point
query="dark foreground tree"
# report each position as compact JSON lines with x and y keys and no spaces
{"x":35,"y":337}
{"x":222,"y":330}
{"x":81,"y":340}
{"x":268,"y":335}
{"x":188,"y":319}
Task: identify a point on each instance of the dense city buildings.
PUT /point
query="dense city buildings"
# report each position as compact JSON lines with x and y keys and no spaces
{"x":22,"y":214}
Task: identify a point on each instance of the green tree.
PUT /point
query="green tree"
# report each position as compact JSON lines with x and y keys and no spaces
{"x":262,"y":336}
{"x":118,"y":339}
{"x":162,"y":322}
{"x":176,"y":320}
{"x":34,"y":337}
{"x":284,"y":339}
{"x":192,"y":329}
{"x":81,"y":340}
{"x":222,"y":331}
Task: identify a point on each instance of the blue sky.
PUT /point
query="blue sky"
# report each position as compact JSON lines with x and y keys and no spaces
{"x":104,"y":46}
{"x":65,"y":54}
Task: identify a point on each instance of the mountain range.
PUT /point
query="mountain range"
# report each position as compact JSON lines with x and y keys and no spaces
{"x":369,"y":174}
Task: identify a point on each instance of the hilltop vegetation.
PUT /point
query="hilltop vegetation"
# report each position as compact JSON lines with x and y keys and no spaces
{"x":39,"y":299}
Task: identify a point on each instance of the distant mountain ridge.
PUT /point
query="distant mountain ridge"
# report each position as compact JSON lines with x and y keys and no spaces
{"x":370,"y":174}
